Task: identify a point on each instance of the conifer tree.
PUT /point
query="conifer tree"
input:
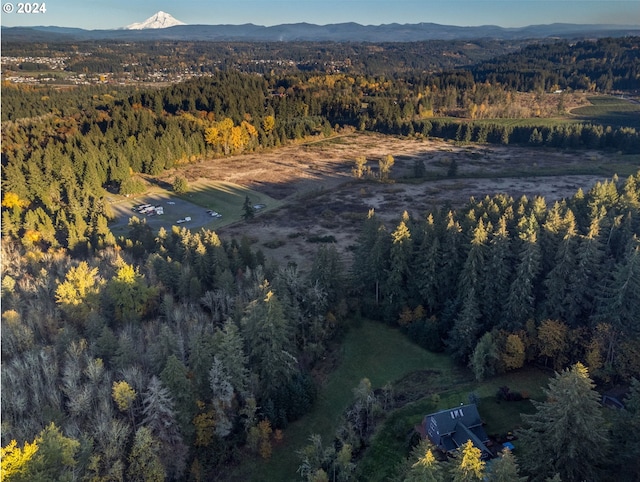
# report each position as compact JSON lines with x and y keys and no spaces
{"x":520,"y":304}
{"x":619,"y":302}
{"x":395,"y":287}
{"x":585,"y":276}
{"x":426,"y":277}
{"x":450,"y":257}
{"x":558,"y":279}
{"x":626,"y":435}
{"x":247,"y":209}
{"x":268,"y":336}
{"x":470,"y":467}
{"x":468,"y":324}
{"x":567,"y":434}
{"x":159,"y":417}
{"x":145,"y":462}
{"x":423,"y":465}
{"x":175,"y":376}
{"x":505,"y":469}
{"x":231,"y":352}
{"x":223,"y":396}
{"x":497,"y":276}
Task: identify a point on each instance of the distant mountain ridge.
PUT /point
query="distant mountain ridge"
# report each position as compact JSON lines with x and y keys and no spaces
{"x":342,"y":32}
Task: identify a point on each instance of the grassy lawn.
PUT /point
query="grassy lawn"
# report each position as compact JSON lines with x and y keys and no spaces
{"x":370,"y":350}
{"x":528,"y":121}
{"x":227,"y":199}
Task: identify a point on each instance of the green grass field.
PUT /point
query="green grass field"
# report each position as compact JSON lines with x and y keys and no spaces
{"x":369,"y":350}
{"x":605,"y":110}
{"x":227,"y":199}
{"x":608,"y":110}
{"x":384,"y":354}
{"x":528,"y":122}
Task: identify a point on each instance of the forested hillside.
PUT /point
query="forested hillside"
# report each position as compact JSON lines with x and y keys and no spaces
{"x":192,"y":345}
{"x":604,"y":64}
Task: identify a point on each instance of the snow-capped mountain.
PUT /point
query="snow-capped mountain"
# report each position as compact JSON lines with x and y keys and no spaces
{"x":159,"y":20}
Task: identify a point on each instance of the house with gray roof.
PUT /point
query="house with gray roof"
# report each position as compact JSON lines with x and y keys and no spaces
{"x":449,"y":429}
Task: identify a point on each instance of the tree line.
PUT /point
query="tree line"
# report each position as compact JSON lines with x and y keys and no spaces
{"x":504,"y":282}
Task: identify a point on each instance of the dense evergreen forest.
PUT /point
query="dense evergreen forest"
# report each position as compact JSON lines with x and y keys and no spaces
{"x":504,"y":282}
{"x":173,"y":354}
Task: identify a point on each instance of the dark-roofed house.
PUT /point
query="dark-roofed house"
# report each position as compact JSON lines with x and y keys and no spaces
{"x":449,"y":429}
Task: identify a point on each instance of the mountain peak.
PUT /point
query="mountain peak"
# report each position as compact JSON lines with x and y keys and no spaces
{"x":158,"y":20}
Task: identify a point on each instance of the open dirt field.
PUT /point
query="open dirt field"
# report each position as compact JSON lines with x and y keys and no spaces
{"x":320,"y":196}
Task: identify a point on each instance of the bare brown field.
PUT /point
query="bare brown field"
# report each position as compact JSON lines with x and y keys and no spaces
{"x":321,"y":197}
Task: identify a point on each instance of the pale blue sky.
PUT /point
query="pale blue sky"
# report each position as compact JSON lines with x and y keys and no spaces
{"x":107,"y":14}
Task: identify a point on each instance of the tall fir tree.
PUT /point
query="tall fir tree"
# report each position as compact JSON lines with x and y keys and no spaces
{"x":521,"y":302}
{"x":497,"y":277}
{"x":567,"y":434}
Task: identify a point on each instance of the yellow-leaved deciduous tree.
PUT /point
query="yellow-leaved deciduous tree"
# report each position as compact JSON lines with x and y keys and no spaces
{"x":265,"y":430}
{"x":249,"y":129}
{"x":79,"y":293}
{"x":51,"y":456}
{"x":359,"y":168}
{"x":470,"y":467}
{"x":513,"y":355}
{"x":268,"y":124}
{"x":259,"y":438}
{"x":385,"y":164}
{"x":228,"y":138}
{"x":552,"y":340}
{"x":129,"y":294}
{"x":204,"y":424}
{"x":123,"y":395}
{"x":219,"y":134}
{"x":12,"y":200}
{"x":319,"y":476}
{"x":15,"y":460}
{"x":145,"y":464}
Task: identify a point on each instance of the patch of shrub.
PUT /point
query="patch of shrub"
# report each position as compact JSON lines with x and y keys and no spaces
{"x":504,"y":393}
{"x":321,"y":239}
{"x":274,"y":243}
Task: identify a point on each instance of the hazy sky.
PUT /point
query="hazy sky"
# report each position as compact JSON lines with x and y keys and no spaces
{"x":107,"y":14}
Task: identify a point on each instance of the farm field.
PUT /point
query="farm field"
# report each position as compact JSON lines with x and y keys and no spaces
{"x":609,"y":110}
